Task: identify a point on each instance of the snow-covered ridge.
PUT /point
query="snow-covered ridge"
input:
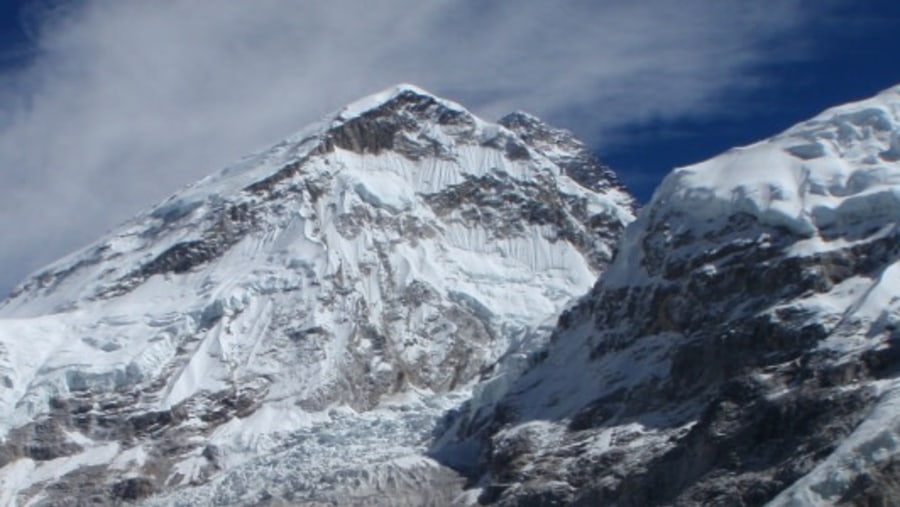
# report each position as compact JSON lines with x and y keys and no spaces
{"x":831,"y":172}
{"x":830,"y":181}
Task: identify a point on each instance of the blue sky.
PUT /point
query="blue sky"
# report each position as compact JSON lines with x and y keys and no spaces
{"x":851,"y":56}
{"x":11,"y":33}
{"x":107,"y":106}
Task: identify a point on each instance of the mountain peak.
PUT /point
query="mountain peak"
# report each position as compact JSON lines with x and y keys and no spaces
{"x":392,"y":96}
{"x":337,"y":292}
{"x":522,"y":118}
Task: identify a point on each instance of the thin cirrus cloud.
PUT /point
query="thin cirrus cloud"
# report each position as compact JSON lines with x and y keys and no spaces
{"x":125,"y":101}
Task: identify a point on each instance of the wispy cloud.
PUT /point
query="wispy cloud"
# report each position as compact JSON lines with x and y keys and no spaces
{"x":128,"y":100}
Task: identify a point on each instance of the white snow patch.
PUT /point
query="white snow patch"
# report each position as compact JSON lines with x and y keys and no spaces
{"x":382,"y":189}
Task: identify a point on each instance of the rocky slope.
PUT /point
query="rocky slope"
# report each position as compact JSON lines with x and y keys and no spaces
{"x":288,"y":331}
{"x":742,"y":349}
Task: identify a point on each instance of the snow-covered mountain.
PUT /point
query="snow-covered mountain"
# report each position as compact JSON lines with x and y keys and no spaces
{"x":291,"y":329}
{"x":397,"y":306}
{"x":743,"y":348}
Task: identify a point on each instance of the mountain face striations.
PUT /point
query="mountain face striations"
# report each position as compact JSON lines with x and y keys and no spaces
{"x":404,"y":304}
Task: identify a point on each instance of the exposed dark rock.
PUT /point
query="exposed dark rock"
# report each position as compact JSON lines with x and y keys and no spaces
{"x":47,"y":281}
{"x":577,"y":162}
{"x":133,"y":488}
{"x":505,"y":207}
{"x":181,"y":257}
{"x":266,"y":185}
{"x":42,"y":440}
{"x":395,"y":126}
{"x":149,"y":422}
{"x":878,"y":487}
{"x":211,"y":453}
{"x":187,"y":255}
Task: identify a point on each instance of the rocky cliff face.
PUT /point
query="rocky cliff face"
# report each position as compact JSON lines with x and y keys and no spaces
{"x":742,"y":349}
{"x":288,"y":331}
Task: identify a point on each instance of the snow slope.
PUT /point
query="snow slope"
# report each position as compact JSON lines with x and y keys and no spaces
{"x":292,"y":327}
